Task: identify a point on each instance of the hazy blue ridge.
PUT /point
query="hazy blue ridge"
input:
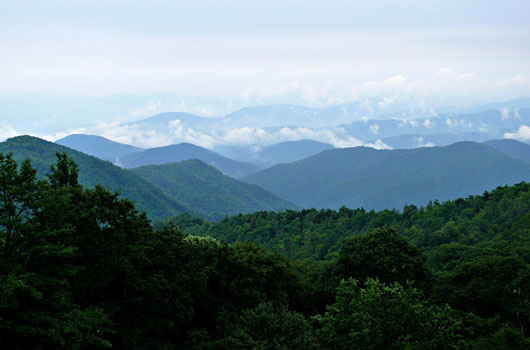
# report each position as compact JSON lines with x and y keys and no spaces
{"x":185,"y":151}
{"x":97,"y":146}
{"x":385,"y":179}
{"x":513,"y":148}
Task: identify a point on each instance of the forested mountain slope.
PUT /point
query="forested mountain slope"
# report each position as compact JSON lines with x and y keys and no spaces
{"x":80,"y":269}
{"x":498,"y":220}
{"x":385,"y":179}
{"x":208,"y":191}
{"x":291,"y":151}
{"x":94,"y":171}
{"x":185,"y":151}
{"x":513,"y":148}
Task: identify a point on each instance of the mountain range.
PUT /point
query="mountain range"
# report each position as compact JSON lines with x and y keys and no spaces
{"x":342,"y":125}
{"x":208,"y":191}
{"x":185,"y":151}
{"x":97,"y":146}
{"x":92,"y":171}
{"x":160,"y":190}
{"x":387,"y":179}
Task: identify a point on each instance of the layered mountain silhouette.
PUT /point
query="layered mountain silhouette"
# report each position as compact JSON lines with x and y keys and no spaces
{"x":92,"y":171}
{"x":97,"y":146}
{"x":208,"y":191}
{"x":513,"y":148}
{"x":186,"y":151}
{"x":387,"y":179}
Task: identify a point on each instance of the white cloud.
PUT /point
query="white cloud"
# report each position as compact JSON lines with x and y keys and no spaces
{"x":428,"y":123}
{"x":378,"y":145}
{"x":245,"y":135}
{"x":522,"y":134}
{"x":405,"y":122}
{"x":421,"y":142}
{"x":505,"y":114}
{"x":7,"y":131}
{"x":150,"y":109}
{"x":374,"y":129}
{"x":516,"y":114}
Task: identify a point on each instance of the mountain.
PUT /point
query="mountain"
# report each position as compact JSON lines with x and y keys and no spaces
{"x":92,"y":171}
{"x":291,"y":151}
{"x":97,"y":146}
{"x":162,"y":121}
{"x":207,"y":190}
{"x":513,"y":148}
{"x":185,"y":151}
{"x":386,"y":179}
{"x":267,"y":156}
{"x":416,"y":141}
{"x":162,"y":118}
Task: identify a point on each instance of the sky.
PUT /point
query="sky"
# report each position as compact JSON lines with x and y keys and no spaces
{"x":70,"y":64}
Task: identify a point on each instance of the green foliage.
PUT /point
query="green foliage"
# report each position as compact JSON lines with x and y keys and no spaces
{"x":83,"y":269}
{"x":37,"y":303}
{"x":494,"y":223}
{"x":271,"y":328}
{"x":92,"y":171}
{"x":380,"y":316}
{"x":209,"y":192}
{"x":384,"y":255}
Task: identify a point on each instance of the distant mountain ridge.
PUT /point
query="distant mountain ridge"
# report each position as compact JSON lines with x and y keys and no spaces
{"x":283,"y":152}
{"x":97,"y":146}
{"x":513,"y":148}
{"x":386,"y":179}
{"x":186,"y":151}
{"x":208,"y":191}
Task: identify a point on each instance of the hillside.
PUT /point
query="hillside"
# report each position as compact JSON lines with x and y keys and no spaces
{"x":208,"y":191}
{"x":513,"y":148}
{"x":93,"y":171}
{"x":380,"y":179}
{"x":291,"y":151}
{"x":185,"y":151}
{"x":97,"y":146}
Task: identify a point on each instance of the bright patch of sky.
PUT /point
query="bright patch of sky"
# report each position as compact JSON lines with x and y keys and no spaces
{"x":212,"y":57}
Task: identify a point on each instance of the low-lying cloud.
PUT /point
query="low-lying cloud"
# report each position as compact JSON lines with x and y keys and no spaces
{"x":522,"y":134}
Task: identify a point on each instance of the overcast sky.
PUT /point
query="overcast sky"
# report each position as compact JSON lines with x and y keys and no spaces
{"x":215,"y":56}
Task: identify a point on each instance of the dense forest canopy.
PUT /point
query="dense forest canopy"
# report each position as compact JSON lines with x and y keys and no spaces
{"x":83,"y":269}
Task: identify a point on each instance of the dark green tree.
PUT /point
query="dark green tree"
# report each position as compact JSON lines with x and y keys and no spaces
{"x":385,"y":316}
{"x":383,"y":255}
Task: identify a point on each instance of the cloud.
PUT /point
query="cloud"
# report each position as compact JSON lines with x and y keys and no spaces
{"x":7,"y":131}
{"x":428,"y":123}
{"x":522,"y":134}
{"x":505,"y":114}
{"x":150,"y":109}
{"x":378,"y":145}
{"x":405,"y":122}
{"x":516,"y":114}
{"x":374,"y":129}
{"x":421,"y":142}
{"x":244,"y":135}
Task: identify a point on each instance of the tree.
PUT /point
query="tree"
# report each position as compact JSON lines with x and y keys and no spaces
{"x":385,"y":316}
{"x":383,"y":255}
{"x":37,"y":307}
{"x":267,"y":327}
